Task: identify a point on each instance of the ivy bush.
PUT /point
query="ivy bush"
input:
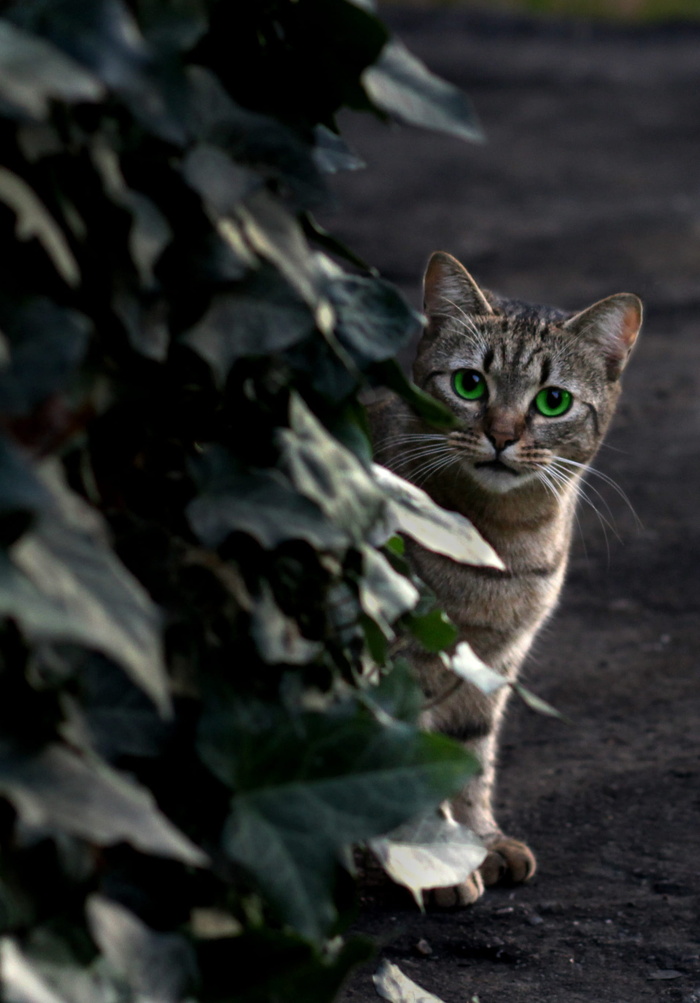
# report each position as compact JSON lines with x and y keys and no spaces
{"x":200,"y":577}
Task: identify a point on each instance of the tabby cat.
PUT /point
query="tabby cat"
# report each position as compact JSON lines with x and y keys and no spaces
{"x":533,"y":390}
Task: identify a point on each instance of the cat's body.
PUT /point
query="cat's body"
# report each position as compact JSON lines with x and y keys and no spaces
{"x":533,"y":390}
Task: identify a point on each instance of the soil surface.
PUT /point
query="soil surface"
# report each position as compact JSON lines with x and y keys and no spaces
{"x":589,"y":184}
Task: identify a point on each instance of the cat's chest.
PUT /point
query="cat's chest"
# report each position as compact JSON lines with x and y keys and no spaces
{"x":492,"y":608}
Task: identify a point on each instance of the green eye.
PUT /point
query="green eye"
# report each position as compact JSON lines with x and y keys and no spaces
{"x":469,"y":384}
{"x":551,"y":402}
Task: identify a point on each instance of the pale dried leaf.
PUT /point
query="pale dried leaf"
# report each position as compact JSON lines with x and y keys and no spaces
{"x":413,"y":512}
{"x":433,"y":851}
{"x":391,"y":984}
{"x":466,"y":664}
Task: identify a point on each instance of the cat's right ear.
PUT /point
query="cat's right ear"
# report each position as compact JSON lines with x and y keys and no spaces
{"x":449,"y":289}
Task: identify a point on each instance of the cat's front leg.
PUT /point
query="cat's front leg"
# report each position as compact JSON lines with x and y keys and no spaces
{"x":509,"y":860}
{"x":477,"y":723}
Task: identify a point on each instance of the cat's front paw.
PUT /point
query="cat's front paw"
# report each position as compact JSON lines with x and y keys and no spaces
{"x":508,"y":861}
{"x":456,"y":896}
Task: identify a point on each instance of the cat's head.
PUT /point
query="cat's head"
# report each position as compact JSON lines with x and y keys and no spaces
{"x":533,"y":388}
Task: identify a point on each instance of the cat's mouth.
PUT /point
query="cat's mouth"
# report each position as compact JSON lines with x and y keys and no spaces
{"x":497,"y":465}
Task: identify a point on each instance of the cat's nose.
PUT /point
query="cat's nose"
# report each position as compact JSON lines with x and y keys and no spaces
{"x":503,"y":430}
{"x":500,"y":442}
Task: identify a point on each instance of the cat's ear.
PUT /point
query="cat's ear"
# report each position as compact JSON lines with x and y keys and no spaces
{"x":614,"y":324}
{"x":448,"y":288}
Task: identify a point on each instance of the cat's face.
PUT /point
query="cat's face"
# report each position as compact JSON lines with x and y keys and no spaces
{"x":533,"y":388}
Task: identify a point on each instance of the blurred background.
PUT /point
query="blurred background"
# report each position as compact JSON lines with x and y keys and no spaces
{"x":587,"y":182}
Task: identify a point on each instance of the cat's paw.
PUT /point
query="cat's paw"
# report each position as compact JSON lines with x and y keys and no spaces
{"x":508,"y":861}
{"x":460,"y":895}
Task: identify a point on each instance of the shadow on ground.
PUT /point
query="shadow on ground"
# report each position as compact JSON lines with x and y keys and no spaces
{"x":589,"y":185}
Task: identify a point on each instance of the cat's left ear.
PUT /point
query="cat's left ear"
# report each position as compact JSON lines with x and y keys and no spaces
{"x":614,"y":324}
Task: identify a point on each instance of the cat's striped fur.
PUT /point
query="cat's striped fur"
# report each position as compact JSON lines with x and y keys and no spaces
{"x":516,"y":473}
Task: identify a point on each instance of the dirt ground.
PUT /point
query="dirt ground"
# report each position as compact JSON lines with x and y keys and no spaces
{"x":589,"y":185}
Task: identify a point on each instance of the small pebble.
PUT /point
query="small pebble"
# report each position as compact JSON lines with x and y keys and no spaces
{"x":424,"y":948}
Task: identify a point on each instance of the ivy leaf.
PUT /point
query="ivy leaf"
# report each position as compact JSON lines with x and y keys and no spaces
{"x":275,"y":235}
{"x":34,"y":220}
{"x":260,"y":316}
{"x":264,"y":505}
{"x":434,"y":630}
{"x":343,"y":777}
{"x":374,"y":321}
{"x":22,"y":495}
{"x":329,"y":474}
{"x":160,"y":967}
{"x":33,"y":73}
{"x":401,"y":85}
{"x":332,"y":154}
{"x":279,"y":966}
{"x":58,"y":790}
{"x":70,"y":587}
{"x":413,"y":512}
{"x":47,"y":342}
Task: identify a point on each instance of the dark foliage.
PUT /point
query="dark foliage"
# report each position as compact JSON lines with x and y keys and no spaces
{"x":198,"y":711}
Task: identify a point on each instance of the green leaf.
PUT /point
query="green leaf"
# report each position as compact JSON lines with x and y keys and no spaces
{"x":219,"y":180}
{"x":374,"y":321}
{"x":332,"y":154}
{"x":328,"y":474}
{"x":260,"y":316}
{"x":34,"y":220}
{"x":391,"y":375}
{"x":402,"y":86}
{"x":434,"y":630}
{"x":66,"y":585}
{"x":269,"y":965}
{"x":156,"y":966}
{"x":276,"y":236}
{"x":413,"y":512}
{"x":22,"y":495}
{"x":58,"y":790}
{"x":113,"y":718}
{"x":104,"y":36}
{"x":47,"y":342}
{"x":33,"y":73}
{"x":264,"y":505}
{"x":349,"y":778}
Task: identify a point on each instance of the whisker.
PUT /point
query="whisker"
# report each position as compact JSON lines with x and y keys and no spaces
{"x":606,"y":479}
{"x":419,"y":453}
{"x":581,"y":494}
{"x":440,"y":464}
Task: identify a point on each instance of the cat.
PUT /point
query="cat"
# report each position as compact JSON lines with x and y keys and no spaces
{"x":533,"y":390}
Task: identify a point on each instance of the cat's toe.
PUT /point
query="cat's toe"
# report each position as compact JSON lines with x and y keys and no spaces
{"x":508,"y":861}
{"x":460,"y":895}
